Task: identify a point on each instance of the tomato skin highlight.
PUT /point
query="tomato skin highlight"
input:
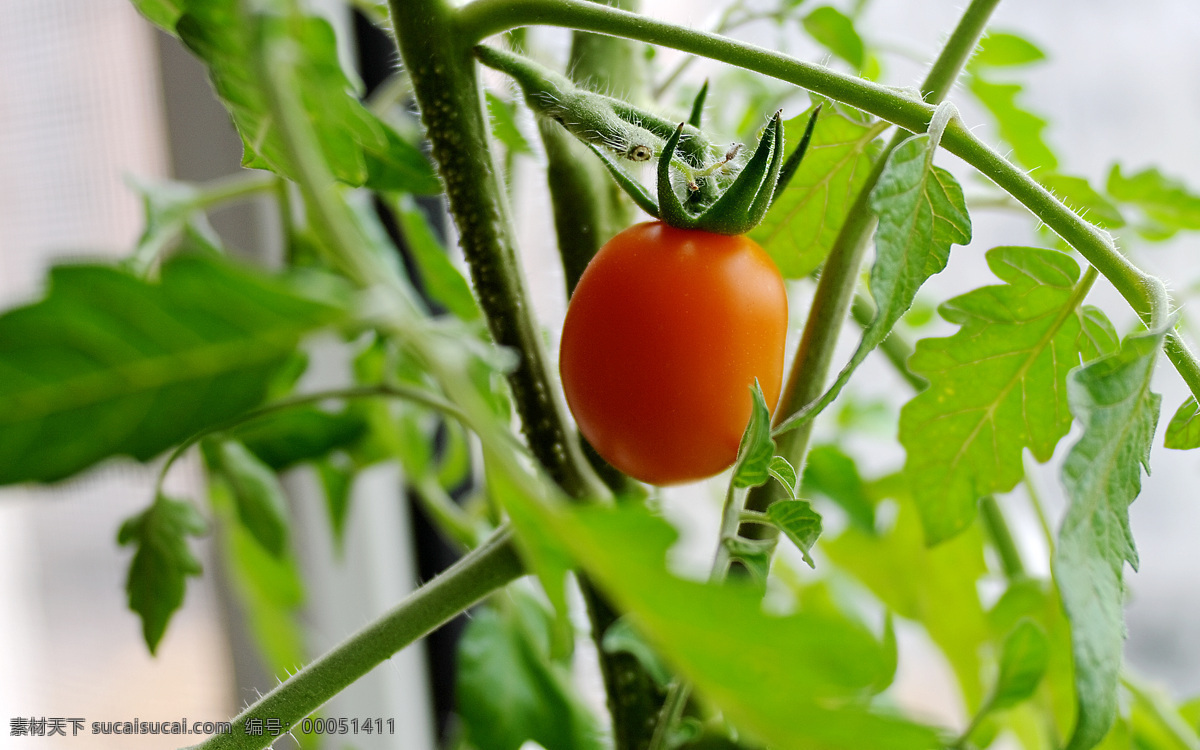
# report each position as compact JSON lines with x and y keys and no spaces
{"x":664,"y":336}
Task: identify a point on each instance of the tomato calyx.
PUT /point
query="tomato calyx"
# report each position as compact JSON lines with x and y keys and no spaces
{"x":737,"y":208}
{"x":698,"y":187}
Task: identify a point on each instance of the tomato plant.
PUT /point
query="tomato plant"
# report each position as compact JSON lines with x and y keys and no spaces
{"x":665,"y":334}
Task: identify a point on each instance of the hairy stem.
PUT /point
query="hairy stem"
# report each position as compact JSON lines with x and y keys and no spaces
{"x":588,"y":209}
{"x":489,"y":567}
{"x":1001,"y":537}
{"x":439,"y":60}
{"x":485,"y":17}
{"x":207,"y":195}
{"x":410,"y":393}
{"x":895,"y":347}
{"x":839,"y":279}
{"x":680,"y":690}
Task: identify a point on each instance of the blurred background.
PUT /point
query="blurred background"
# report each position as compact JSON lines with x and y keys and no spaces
{"x":92,"y":95}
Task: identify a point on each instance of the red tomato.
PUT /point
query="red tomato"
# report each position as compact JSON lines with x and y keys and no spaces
{"x":664,"y":336}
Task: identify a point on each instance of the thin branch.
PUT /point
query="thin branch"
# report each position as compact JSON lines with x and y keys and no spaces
{"x":1144,"y":293}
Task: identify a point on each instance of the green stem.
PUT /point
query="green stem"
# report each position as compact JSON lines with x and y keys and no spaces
{"x":1168,"y":718}
{"x":234,"y":187}
{"x":485,"y":17}
{"x":439,"y":60}
{"x":390,"y":93}
{"x":677,"y":698}
{"x":410,"y":393}
{"x":207,"y":195}
{"x":839,"y":279}
{"x":588,"y":209}
{"x":724,"y":25}
{"x":1002,"y":538}
{"x":965,"y":737}
{"x":1039,"y":509}
{"x":492,"y":564}
{"x":445,"y":513}
{"x":489,"y":567}
{"x":895,"y":347}
{"x":681,"y":690}
{"x":731,"y":517}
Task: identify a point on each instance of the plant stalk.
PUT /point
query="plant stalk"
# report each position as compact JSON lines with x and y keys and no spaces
{"x":485,"y":17}
{"x":439,"y":60}
{"x":588,"y":209}
{"x":1002,"y":539}
{"x":839,"y":279}
{"x":492,"y":565}
{"x":895,"y":347}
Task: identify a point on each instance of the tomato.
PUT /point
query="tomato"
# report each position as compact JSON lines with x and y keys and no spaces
{"x":664,"y":336}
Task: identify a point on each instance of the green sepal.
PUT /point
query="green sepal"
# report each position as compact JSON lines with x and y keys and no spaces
{"x":670,"y":209}
{"x":743,"y":204}
{"x":766,"y":189}
{"x":793,"y":162}
{"x":698,"y":105}
{"x":720,"y":200}
{"x":732,"y":213}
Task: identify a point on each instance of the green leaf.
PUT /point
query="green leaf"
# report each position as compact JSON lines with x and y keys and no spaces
{"x":509,"y":691}
{"x":442,"y":281}
{"x":167,"y":205}
{"x":1190,"y":711}
{"x":1019,"y":128}
{"x":504,"y":125}
{"x":108,"y":364}
{"x":336,"y":479}
{"x":622,"y":637}
{"x":299,"y":434}
{"x":1168,"y":204}
{"x":752,"y":467}
{"x":1002,"y":49}
{"x":1028,"y":599}
{"x":1099,"y":337}
{"x":259,"y":498}
{"x":543,"y":554}
{"x":359,"y":147}
{"x":1183,"y":433}
{"x":936,"y":587}
{"x":1102,"y":475}
{"x":1083,"y":199}
{"x":454,"y":463}
{"x":269,"y":589}
{"x":1157,"y":723}
{"x":921,"y":214}
{"x":835,"y":31}
{"x":784,"y":473}
{"x":162,"y":13}
{"x":996,"y":387}
{"x":1023,"y":661}
{"x":801,"y":226}
{"x":804,"y":665}
{"x":754,"y":554}
{"x":199,"y":238}
{"x":161,"y":563}
{"x":799,"y":522}
{"x":830,"y":472}
{"x":1120,"y":737}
